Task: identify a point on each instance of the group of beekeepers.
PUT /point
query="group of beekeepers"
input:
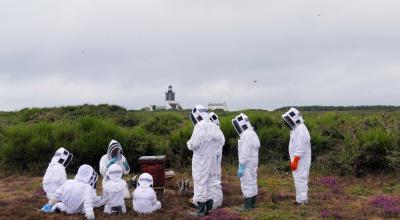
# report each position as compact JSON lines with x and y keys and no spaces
{"x":207,"y":142}
{"x":79,"y":195}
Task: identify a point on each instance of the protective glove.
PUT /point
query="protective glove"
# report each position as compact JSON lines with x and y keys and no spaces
{"x":47,"y":208}
{"x":126,"y":165}
{"x":295,"y":163}
{"x":112,"y":161}
{"x":240,"y":171}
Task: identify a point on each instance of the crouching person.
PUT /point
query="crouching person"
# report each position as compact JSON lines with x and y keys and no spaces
{"x":77,"y":195}
{"x":55,"y":175}
{"x":113,"y":191}
{"x":144,"y":196}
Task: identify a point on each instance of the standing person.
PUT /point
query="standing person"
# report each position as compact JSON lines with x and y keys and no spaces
{"x":114,"y":156}
{"x":113,"y":191}
{"x":205,"y":138}
{"x":216,"y":188}
{"x":300,"y":153}
{"x":55,"y":175}
{"x":248,"y":147}
{"x":77,"y":195}
{"x":144,"y":197}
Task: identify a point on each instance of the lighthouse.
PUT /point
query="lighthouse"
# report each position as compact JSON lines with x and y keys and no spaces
{"x":169,"y":95}
{"x":170,"y":102}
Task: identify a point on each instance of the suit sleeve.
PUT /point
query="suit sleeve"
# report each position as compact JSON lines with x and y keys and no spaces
{"x":301,"y":142}
{"x":103,"y":165}
{"x":196,"y":139}
{"x":126,"y":171}
{"x":59,"y":193}
{"x":88,"y":198}
{"x":244,"y":149}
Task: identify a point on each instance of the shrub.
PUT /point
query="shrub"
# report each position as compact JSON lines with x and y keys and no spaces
{"x":343,"y":142}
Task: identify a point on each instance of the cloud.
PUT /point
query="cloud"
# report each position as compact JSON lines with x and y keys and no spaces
{"x":128,"y":52}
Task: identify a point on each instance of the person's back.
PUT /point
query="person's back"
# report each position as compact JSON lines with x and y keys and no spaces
{"x":113,"y":191}
{"x":144,"y":196}
{"x":203,"y":135}
{"x":78,"y":195}
{"x":73,"y":195}
{"x":145,"y":200}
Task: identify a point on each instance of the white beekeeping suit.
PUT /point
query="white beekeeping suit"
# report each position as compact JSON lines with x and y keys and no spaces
{"x":144,"y":196}
{"x":113,"y":191}
{"x":248,"y":147}
{"x":206,"y":137}
{"x":55,"y":175}
{"x":300,"y":153}
{"x":114,"y":156}
{"x":216,"y":187}
{"x":77,"y":195}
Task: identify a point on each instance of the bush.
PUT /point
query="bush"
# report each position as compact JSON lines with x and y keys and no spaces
{"x":343,"y":142}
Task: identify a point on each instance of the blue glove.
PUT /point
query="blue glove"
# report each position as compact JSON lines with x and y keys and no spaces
{"x":112,"y":161}
{"x":47,"y":208}
{"x":240,"y":171}
{"x":126,"y":165}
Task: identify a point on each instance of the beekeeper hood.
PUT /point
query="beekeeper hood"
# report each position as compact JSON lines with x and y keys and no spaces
{"x":145,"y":180}
{"x":241,"y":123}
{"x":114,"y":150}
{"x":199,"y":113}
{"x":292,"y":118}
{"x":87,"y":174}
{"x":62,"y":156}
{"x":114,"y":172}
{"x":214,"y":118}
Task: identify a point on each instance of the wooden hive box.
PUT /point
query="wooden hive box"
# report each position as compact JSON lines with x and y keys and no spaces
{"x":155,"y":166}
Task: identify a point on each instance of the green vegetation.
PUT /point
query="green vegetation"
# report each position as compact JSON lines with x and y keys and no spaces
{"x":352,"y":142}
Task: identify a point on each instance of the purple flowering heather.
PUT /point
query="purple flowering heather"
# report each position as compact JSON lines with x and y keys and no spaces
{"x":389,"y":204}
{"x":219,"y":214}
{"x":331,"y":183}
{"x":330,"y":214}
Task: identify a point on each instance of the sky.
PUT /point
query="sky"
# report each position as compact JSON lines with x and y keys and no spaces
{"x":250,"y":54}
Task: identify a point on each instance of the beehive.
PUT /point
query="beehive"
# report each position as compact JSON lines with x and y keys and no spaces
{"x":155,"y":166}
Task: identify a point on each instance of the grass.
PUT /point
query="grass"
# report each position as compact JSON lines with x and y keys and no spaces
{"x":370,"y":197}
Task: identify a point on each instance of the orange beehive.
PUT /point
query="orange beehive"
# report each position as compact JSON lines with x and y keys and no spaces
{"x":155,"y":166}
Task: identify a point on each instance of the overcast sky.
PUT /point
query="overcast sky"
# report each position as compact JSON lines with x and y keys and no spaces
{"x":251,"y":54}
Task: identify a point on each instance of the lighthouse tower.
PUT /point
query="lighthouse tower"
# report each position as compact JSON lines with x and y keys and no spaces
{"x":170,"y":98}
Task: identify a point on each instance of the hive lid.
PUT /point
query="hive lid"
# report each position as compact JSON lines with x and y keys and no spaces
{"x":153,"y":158}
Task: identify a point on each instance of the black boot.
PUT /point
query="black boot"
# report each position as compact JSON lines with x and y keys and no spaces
{"x":209,"y":205}
{"x":253,"y":202}
{"x":246,"y":205}
{"x":201,"y":209}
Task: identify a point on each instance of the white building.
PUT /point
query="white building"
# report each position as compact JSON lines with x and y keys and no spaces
{"x":218,"y":106}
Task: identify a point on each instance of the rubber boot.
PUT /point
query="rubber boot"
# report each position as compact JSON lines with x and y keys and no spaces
{"x":246,"y":206}
{"x":253,"y":202}
{"x":209,"y":205}
{"x":201,"y":210}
